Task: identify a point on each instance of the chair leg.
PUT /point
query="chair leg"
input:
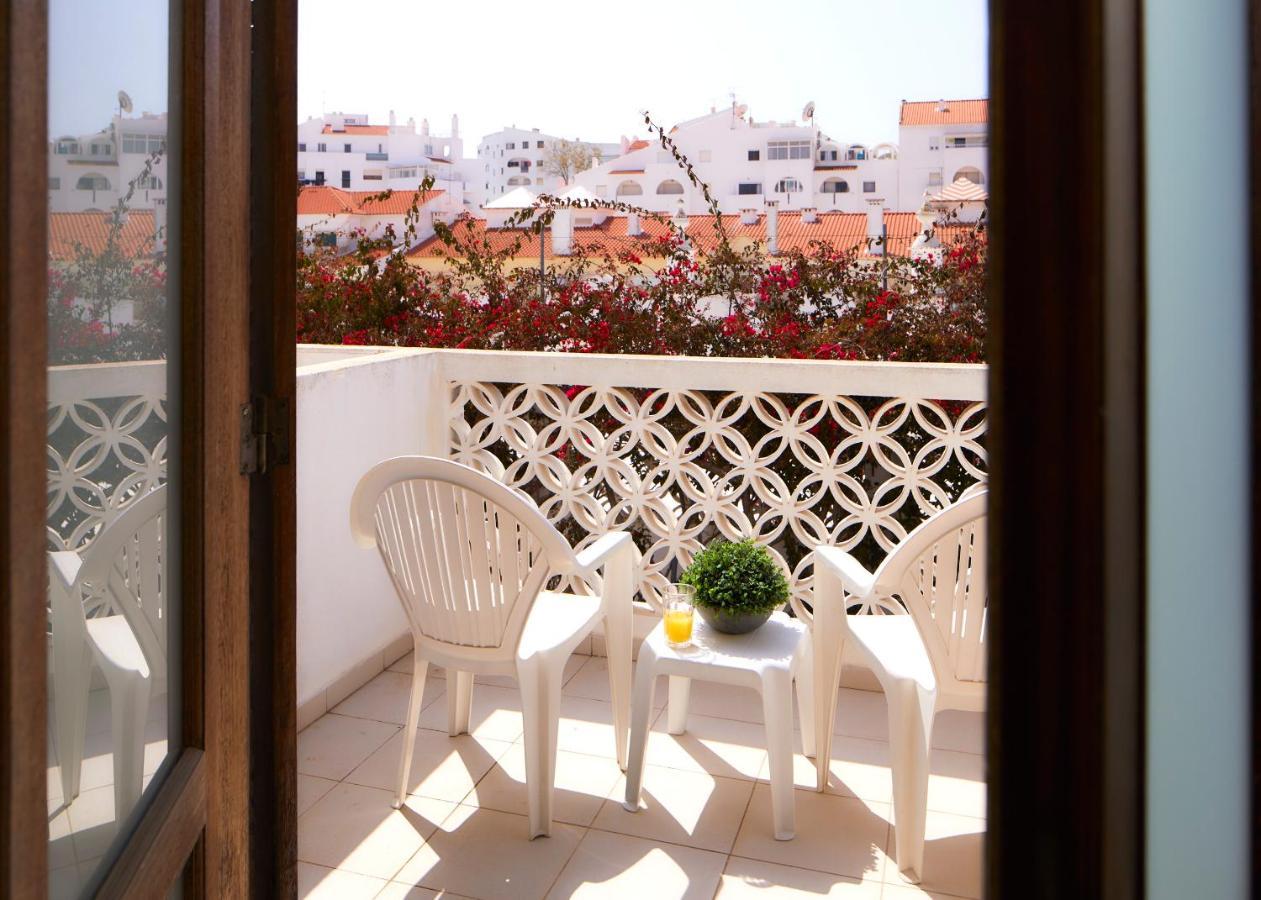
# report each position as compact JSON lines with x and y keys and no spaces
{"x":129,"y":707}
{"x":641,"y":715}
{"x":804,"y":680}
{"x":777,"y":707}
{"x":910,"y":729}
{"x":72,"y":681}
{"x":827,"y":636}
{"x":459,"y":701}
{"x":540,"y":678}
{"x":420,"y":669}
{"x":619,"y":638}
{"x":676,"y":708}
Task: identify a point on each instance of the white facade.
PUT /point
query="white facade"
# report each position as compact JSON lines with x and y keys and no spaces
{"x":341,"y":229}
{"x":95,"y":171}
{"x":514,"y":157}
{"x":344,"y":150}
{"x":934,"y":155}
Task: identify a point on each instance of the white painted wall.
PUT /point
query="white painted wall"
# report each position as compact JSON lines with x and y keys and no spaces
{"x":352,"y":413}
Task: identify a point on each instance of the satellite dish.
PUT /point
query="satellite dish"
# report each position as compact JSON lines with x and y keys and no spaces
{"x":124,"y":101}
{"x":808,"y":112}
{"x":741,"y":110}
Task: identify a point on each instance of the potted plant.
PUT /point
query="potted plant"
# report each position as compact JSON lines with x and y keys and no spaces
{"x":738,"y":585}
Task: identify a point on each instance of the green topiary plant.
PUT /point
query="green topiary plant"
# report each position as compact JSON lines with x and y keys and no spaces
{"x":737,"y":579}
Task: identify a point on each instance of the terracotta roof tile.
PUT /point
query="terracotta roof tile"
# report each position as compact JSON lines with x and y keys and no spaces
{"x":91,"y":231}
{"x":956,"y":112}
{"x":637,"y":145}
{"x":324,"y":200}
{"x":358,"y":129}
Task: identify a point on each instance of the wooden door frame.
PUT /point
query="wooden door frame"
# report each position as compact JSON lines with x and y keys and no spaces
{"x":197,"y":819}
{"x":1066,"y":721}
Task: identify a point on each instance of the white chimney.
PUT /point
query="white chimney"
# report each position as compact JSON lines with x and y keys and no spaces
{"x":633,"y":228}
{"x":393,"y":121}
{"x":809,"y":214}
{"x":680,"y":220}
{"x":748,"y":216}
{"x":159,"y":224}
{"x":563,"y":232}
{"x":424,"y":126}
{"x":875,"y":225}
{"x":455,"y":125}
{"x":772,"y":227}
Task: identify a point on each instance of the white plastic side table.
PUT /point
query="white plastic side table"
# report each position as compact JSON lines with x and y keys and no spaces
{"x":767,"y":660}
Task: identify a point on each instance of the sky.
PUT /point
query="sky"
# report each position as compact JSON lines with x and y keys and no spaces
{"x":584,"y":68}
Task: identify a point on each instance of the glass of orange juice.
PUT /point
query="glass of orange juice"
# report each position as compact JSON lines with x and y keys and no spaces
{"x":678,"y":613}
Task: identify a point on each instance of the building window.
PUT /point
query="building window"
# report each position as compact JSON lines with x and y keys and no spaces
{"x":512,"y":164}
{"x":629,"y":189}
{"x":149,"y":183}
{"x":828,"y":154}
{"x":669,"y":186}
{"x":301,"y":148}
{"x":748,"y":187}
{"x":92,"y":183}
{"x":787,"y":186}
{"x":68,"y":147}
{"x":788,"y":150}
{"x":835,"y":186}
{"x":345,"y":148}
{"x":540,"y":145}
{"x":368,"y":177}
{"x":345,"y":178}
{"x":319,"y":176}
{"x":512,"y":146}
{"x":322,"y":148}
{"x":705,"y":156}
{"x":934,"y":142}
{"x":54,"y":184}
{"x":934,"y":178}
{"x":755,"y":155}
{"x":869,"y":187}
{"x":971,"y":173}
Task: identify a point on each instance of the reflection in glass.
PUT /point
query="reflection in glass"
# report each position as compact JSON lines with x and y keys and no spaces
{"x":111,"y":538}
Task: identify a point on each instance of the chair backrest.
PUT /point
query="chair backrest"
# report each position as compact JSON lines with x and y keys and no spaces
{"x":938,"y":571}
{"x":467,"y":554}
{"x":126,"y":568}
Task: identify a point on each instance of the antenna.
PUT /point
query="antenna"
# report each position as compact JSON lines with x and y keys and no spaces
{"x":808,"y":112}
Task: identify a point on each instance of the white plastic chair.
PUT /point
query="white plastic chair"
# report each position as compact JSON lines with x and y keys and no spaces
{"x":125,"y":570}
{"x":767,"y":660}
{"x":469,"y":558}
{"x":930,"y":660}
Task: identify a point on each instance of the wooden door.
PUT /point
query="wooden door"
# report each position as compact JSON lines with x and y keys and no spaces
{"x":130,"y":362}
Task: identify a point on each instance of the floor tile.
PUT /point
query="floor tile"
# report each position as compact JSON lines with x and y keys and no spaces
{"x":953,"y":850}
{"x":859,"y":768}
{"x":60,"y":841}
{"x":751,"y":879}
{"x":616,"y":866}
{"x":582,"y":784}
{"x":861,"y":714}
{"x":354,"y":828}
{"x":65,"y":883}
{"x":914,"y":892}
{"x":396,"y":890}
{"x":322,"y":883}
{"x":682,"y":808}
{"x":384,"y":698}
{"x":725,"y":701}
{"x":496,"y":713}
{"x":956,"y":783}
{"x":405,"y":663}
{"x":961,"y":731}
{"x":443,"y":767}
{"x":840,"y":835}
{"x":592,"y":682}
{"x":334,"y":745}
{"x":92,"y":822}
{"x":724,"y":748}
{"x":586,"y":726}
{"x":487,"y":854}
{"x":310,"y":789}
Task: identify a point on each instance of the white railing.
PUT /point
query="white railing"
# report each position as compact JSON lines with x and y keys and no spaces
{"x":681,"y":451}
{"x":107,"y":439}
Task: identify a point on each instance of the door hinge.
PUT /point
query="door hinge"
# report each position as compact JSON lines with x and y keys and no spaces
{"x":264,"y":435}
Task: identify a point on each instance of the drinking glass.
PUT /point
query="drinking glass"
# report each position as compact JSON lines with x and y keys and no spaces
{"x":678,"y":612}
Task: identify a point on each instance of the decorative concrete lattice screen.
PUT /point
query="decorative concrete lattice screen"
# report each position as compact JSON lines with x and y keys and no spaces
{"x":107,"y":439}
{"x":682,"y":467}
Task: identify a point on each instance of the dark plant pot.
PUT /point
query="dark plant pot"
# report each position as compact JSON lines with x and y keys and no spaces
{"x":733,"y":623}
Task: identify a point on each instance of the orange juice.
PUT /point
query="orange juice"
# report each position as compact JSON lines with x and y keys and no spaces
{"x":678,"y":625}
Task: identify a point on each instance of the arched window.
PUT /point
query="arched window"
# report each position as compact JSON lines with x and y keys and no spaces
{"x":884,"y":151}
{"x":828,"y":153}
{"x":972,"y":173}
{"x":629,"y":189}
{"x":517,"y":180}
{"x":92,"y":182}
{"x":834,"y":186}
{"x":856,"y":151}
{"x":787,"y":186}
{"x":669,"y":186}
{"x":149,"y":182}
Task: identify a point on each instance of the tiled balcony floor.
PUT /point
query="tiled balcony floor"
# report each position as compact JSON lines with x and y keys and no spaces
{"x":704,"y":831}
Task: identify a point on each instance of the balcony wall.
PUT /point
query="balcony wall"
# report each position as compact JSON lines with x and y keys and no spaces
{"x":676,"y":449}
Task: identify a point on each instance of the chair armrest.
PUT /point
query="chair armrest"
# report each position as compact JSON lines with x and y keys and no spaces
{"x":591,"y":558}
{"x":64,"y":566}
{"x":855,"y":578}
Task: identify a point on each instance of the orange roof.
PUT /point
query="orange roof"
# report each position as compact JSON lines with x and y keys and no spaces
{"x":324,"y":200}
{"x":636,"y":145}
{"x":955,"y":112}
{"x":844,"y":231}
{"x":91,"y":231}
{"x":357,"y":129}
{"x":626,"y":171}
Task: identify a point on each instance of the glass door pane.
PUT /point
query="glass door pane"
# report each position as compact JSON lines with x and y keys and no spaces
{"x":112,"y":537}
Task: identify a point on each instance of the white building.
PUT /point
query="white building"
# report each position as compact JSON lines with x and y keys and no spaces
{"x":344,"y":150}
{"x":796,"y":165}
{"x":95,"y":171}
{"x":335,"y":217}
{"x":514,"y":157}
